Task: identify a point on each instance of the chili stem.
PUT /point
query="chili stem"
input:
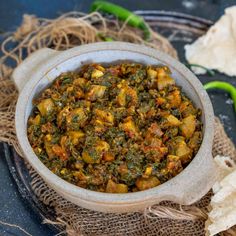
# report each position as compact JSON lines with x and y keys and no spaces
{"x":105,"y":38}
{"x":227,"y":87}
{"x":209,"y":71}
{"x":122,"y":14}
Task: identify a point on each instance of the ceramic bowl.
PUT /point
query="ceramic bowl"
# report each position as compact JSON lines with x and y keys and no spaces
{"x":38,"y":71}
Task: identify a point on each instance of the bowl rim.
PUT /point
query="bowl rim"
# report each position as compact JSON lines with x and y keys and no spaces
{"x":98,"y":197}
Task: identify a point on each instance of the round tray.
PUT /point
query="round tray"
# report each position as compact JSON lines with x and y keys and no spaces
{"x":179,"y":29}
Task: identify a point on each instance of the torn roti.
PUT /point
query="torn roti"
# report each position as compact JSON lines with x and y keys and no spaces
{"x":217,"y":49}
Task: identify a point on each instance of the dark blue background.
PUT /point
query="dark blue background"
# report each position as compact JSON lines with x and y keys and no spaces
{"x":12,"y":208}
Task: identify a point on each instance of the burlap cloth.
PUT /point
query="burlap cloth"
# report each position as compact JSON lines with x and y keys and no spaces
{"x":166,"y":218}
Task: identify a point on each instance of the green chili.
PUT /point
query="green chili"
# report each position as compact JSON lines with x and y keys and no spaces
{"x":122,"y":14}
{"x":105,"y":38}
{"x":209,"y":71}
{"x":108,"y":39}
{"x":223,"y":86}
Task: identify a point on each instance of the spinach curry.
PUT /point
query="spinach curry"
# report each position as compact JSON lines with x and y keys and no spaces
{"x":117,"y":129}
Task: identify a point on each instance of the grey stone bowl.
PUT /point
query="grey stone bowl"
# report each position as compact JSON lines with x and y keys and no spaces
{"x":38,"y":70}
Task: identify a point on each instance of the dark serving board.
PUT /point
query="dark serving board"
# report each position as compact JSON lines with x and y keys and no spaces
{"x":180,"y":29}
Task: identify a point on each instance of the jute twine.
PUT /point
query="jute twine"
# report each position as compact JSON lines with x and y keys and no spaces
{"x":69,"y":30}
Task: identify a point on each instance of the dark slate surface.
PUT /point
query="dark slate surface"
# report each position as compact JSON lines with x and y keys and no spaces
{"x":12,"y":208}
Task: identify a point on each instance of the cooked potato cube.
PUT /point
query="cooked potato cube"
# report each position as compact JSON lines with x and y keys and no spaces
{"x":35,"y":121}
{"x":171,"y":158}
{"x":46,"y":106}
{"x":61,"y":117}
{"x":146,"y":183}
{"x":63,"y":171}
{"x":152,"y":74}
{"x":160,"y":101}
{"x":99,"y":67}
{"x":129,"y":127}
{"x":188,"y":126}
{"x":99,"y":126}
{"x":90,"y":158}
{"x":81,"y":176}
{"x":113,"y":187}
{"x":108,"y":156}
{"x":101,"y":146}
{"x":126,"y":96}
{"x":190,"y":110}
{"x":79,"y":165}
{"x":148,"y":171}
{"x":79,"y":93}
{"x":76,"y":116}
{"x":48,"y":145}
{"x":95,"y":92}
{"x":173,"y":144}
{"x":121,"y":98}
{"x":155,"y":130}
{"x":121,"y":188}
{"x":131,"y":110}
{"x":96,"y":152}
{"x":164,"y":81}
{"x":195,"y":141}
{"x":60,"y":152}
{"x":183,"y":106}
{"x":123,"y":169}
{"x":70,"y":89}
{"x":171,"y":133}
{"x":183,"y":151}
{"x":133,"y":95}
{"x":161,"y":72}
{"x":174,"y":165}
{"x":105,"y":116}
{"x":64,"y":141}
{"x":76,"y":136}
{"x":96,"y":74}
{"x":172,"y":121}
{"x":81,"y":82}
{"x":174,"y":99}
{"x":152,"y":141}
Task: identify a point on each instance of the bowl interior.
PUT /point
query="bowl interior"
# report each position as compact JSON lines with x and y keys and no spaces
{"x":109,"y":56}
